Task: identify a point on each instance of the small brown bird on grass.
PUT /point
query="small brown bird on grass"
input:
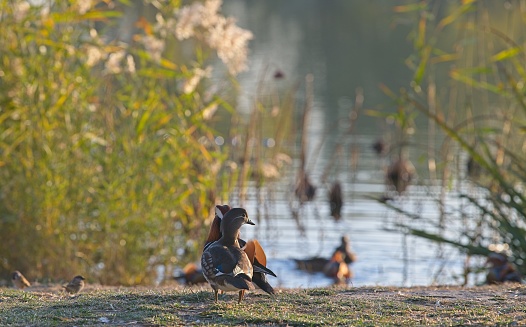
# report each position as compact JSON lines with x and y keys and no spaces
{"x":76,"y":285}
{"x":19,"y":280}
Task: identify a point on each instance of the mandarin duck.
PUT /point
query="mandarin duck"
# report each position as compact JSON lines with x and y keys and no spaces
{"x":337,"y":269}
{"x":253,"y":248}
{"x":225,"y":265}
{"x":75,"y":285}
{"x":313,"y":264}
{"x":345,"y":249}
{"x":501,"y":270}
{"x":338,"y":266}
{"x":19,"y":281}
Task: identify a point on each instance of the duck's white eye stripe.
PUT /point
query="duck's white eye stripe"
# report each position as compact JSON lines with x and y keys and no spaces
{"x":219,"y":213}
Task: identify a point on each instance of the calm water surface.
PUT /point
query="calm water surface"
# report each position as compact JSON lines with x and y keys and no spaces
{"x":385,"y":255}
{"x":345,"y":45}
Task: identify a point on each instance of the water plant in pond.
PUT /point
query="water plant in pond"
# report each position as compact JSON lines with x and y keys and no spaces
{"x":469,"y":82}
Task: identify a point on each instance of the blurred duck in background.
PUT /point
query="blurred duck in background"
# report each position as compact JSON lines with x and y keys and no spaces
{"x":345,"y":249}
{"x":501,"y":270}
{"x":312,"y":265}
{"x":336,"y":267}
{"x":191,"y":275}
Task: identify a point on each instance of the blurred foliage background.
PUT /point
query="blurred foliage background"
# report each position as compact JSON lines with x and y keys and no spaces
{"x":107,"y":156}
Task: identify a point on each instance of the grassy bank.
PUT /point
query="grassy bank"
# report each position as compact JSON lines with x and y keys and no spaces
{"x":360,"y":306}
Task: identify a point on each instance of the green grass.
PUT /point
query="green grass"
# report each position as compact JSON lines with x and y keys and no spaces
{"x":361,"y":306}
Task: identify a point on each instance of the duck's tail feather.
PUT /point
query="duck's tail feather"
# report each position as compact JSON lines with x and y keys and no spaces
{"x":261,"y":281}
{"x":259,"y":268}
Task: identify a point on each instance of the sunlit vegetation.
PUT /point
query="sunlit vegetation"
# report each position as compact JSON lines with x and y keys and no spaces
{"x":108,"y":158}
{"x":468,"y":82}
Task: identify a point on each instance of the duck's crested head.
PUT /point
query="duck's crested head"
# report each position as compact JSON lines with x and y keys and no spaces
{"x":215,"y":232}
{"x":221,"y":210}
{"x":16,"y":274}
{"x":234,"y":219}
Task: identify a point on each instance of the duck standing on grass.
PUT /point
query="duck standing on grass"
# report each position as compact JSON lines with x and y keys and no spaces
{"x":252,"y":248}
{"x":225,"y":265}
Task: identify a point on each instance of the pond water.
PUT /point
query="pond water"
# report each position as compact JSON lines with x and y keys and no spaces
{"x":385,"y":255}
{"x":345,"y":45}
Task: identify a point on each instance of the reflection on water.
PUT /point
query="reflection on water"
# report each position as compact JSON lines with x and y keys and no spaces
{"x":385,"y":256}
{"x":346,"y":45}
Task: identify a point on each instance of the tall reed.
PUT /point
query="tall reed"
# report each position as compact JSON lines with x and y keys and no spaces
{"x":469,"y":81}
{"x":108,"y":158}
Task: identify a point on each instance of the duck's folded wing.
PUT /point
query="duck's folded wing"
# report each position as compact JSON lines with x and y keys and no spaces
{"x":244,"y":267}
{"x":226,"y":265}
{"x":207,"y":264}
{"x":239,"y":278}
{"x":261,"y":281}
